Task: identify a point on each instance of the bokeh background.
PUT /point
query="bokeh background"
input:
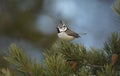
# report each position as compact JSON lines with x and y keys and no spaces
{"x":31,"y":24}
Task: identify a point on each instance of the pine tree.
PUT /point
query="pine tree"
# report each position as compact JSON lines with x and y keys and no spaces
{"x":68,"y":59}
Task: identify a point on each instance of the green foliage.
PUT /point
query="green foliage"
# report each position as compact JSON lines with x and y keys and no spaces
{"x":59,"y":61}
{"x":83,"y":72}
{"x":116,"y":7}
{"x":96,"y":57}
{"x":19,"y":59}
{"x":3,"y":62}
{"x":107,"y":71}
{"x":113,"y":44}
{"x":56,"y":66}
{"x":7,"y":72}
{"x":18,"y":20}
{"x":22,"y":62}
{"x":74,"y":52}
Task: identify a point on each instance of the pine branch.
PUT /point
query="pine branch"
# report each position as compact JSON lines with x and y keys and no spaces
{"x":22,"y":62}
{"x":112,"y":47}
{"x":113,"y":43}
{"x":96,"y":57}
{"x":83,"y":72}
{"x":7,"y":72}
{"x":73,"y":52}
{"x":56,"y":65}
{"x":116,"y":7}
{"x":37,"y":69}
{"x":107,"y":71}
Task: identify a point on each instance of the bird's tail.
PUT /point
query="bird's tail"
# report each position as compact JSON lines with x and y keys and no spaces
{"x":81,"y":34}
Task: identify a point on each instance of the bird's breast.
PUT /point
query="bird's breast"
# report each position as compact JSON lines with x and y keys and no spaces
{"x":65,"y":36}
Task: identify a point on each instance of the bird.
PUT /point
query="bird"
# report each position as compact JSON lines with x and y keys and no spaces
{"x":64,"y":33}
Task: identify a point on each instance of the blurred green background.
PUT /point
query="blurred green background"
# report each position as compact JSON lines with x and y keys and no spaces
{"x":17,"y":25}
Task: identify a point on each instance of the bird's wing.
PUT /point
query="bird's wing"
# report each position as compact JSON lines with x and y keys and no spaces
{"x":71,"y":33}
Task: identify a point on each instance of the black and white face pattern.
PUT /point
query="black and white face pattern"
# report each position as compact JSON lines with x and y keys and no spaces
{"x":62,"y":28}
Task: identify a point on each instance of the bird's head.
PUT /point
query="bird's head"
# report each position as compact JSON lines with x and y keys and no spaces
{"x":62,"y":27}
